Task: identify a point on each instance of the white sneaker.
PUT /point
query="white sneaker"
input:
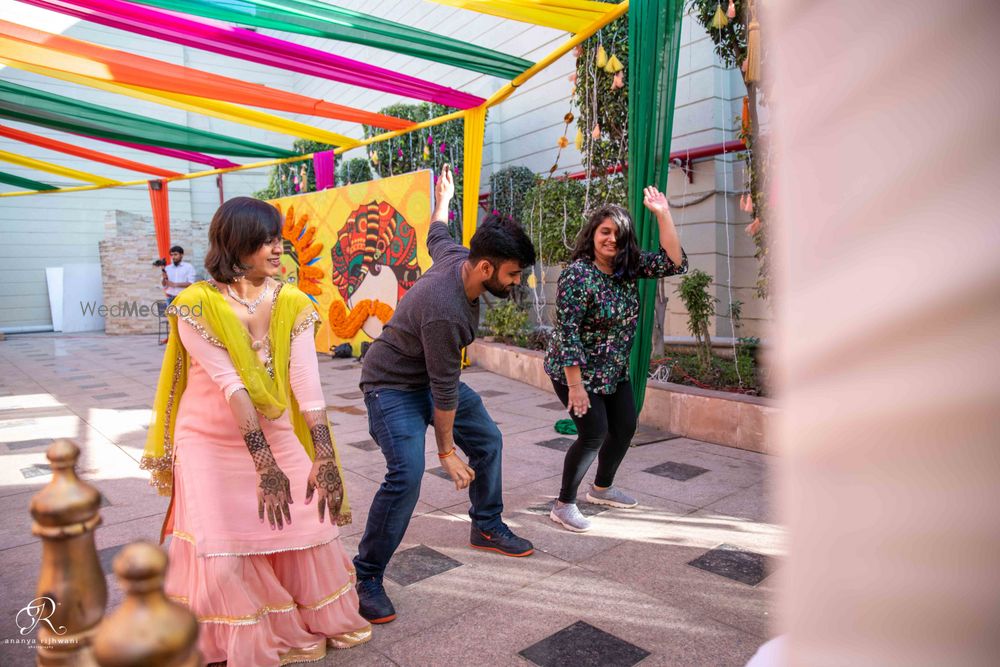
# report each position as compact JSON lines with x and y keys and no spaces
{"x":611,"y":496}
{"x":568,"y":514}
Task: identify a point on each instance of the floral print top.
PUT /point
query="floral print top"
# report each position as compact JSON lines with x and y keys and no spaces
{"x":596,"y":318}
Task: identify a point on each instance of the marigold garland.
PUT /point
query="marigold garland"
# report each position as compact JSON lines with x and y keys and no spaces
{"x":346,"y":325}
{"x":301,"y":237}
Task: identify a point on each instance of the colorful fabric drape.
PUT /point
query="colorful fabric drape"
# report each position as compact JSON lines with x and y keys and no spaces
{"x":45,"y":49}
{"x":324,"y":164}
{"x":37,"y":107}
{"x":475,"y":128}
{"x":319,"y":19}
{"x":190,"y":156}
{"x":569,"y":15}
{"x":654,"y":30}
{"x":80,"y":151}
{"x":41,"y":165}
{"x":26,"y":183}
{"x":200,"y":105}
{"x":160,"y":201}
{"x":248,"y":45}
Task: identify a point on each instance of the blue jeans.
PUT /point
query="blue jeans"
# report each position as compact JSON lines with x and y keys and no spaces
{"x":397,"y":421}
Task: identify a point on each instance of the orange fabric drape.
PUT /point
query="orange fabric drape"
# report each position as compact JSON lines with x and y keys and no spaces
{"x":161,"y":216}
{"x":79,"y":151}
{"x":32,"y":46}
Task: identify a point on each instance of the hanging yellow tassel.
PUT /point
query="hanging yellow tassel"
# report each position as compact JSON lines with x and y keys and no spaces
{"x":374,"y":158}
{"x":602,"y":57}
{"x":753,"y":46}
{"x":578,"y":142}
{"x":614,"y":65}
{"x":427,"y":153}
{"x":720,"y":20}
{"x":731,"y":12}
{"x":596,"y":132}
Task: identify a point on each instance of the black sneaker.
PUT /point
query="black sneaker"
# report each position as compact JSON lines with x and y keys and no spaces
{"x":374,"y":605}
{"x":501,"y":540}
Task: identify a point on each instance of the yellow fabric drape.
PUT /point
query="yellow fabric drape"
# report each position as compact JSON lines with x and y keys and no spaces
{"x":28,"y":59}
{"x":475,"y":128}
{"x":41,"y":165}
{"x":203,"y":307}
{"x":569,"y":15}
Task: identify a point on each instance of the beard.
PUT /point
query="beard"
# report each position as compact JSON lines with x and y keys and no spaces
{"x":494,"y":287}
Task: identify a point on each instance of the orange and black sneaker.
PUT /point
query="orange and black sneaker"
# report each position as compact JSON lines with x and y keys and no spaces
{"x":501,"y":540}
{"x":373,"y":604}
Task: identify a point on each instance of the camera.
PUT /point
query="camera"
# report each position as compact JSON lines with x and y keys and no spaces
{"x":160,"y":262}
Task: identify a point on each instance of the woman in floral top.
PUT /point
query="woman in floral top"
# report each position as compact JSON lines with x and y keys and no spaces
{"x":597,"y":309}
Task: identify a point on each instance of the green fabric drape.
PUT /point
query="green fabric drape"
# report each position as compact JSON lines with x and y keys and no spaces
{"x":26,"y":183}
{"x":37,"y":107}
{"x":319,"y":19}
{"x":654,"y":32}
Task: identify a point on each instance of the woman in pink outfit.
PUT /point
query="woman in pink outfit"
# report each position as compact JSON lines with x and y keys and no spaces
{"x":241,"y":440}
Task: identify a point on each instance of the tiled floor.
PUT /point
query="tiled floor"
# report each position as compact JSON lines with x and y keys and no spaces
{"x":683,"y":579}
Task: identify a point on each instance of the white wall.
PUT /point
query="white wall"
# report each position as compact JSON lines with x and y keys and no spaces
{"x":46,"y":230}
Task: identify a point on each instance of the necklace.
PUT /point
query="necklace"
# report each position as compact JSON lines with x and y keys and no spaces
{"x":249,"y":305}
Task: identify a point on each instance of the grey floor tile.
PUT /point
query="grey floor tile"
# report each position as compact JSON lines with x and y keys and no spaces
{"x":490,"y":393}
{"x":37,"y":470}
{"x":558,"y":444}
{"x":28,"y":444}
{"x":681,"y":472}
{"x":583,"y":645}
{"x":368,"y":445}
{"x":734,"y":563}
{"x":418,"y":563}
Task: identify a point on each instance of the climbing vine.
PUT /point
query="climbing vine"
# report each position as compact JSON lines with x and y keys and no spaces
{"x":735,"y":31}
{"x":429,"y":148}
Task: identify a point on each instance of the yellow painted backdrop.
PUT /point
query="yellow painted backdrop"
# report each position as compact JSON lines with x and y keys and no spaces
{"x":316,"y":222}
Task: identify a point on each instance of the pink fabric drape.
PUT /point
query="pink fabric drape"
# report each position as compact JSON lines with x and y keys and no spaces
{"x":249,"y":45}
{"x":190,"y":156}
{"x":324,"y":163}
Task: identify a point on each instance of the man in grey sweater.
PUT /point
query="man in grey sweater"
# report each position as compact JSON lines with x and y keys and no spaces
{"x":411,"y":378}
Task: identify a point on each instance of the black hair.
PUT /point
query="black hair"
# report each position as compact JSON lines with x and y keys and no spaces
{"x":499,"y":239}
{"x":177,"y":248}
{"x":239,"y":228}
{"x":626,"y":264}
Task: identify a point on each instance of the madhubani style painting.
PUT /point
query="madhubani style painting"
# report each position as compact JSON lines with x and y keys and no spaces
{"x":356,"y":250}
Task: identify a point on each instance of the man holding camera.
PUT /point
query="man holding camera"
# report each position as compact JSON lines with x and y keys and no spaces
{"x":177,"y":274}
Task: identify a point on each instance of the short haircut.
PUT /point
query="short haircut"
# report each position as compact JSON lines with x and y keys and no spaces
{"x":239,"y":228}
{"x":177,"y":248}
{"x":500,"y":239}
{"x":627,"y":257}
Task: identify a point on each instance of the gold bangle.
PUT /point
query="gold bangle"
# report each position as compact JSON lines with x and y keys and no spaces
{"x":447,"y":454}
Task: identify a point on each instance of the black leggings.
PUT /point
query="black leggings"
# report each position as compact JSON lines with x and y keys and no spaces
{"x":605,"y":431}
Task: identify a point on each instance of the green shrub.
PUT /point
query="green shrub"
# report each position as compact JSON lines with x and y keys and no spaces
{"x":693,"y":290}
{"x":507,"y":321}
{"x":355,"y":170}
{"x":428,"y":148}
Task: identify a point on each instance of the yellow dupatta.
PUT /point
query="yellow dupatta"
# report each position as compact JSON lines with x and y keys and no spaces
{"x":203,"y":307}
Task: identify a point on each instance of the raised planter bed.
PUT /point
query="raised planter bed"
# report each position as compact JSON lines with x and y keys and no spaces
{"x":720,"y":417}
